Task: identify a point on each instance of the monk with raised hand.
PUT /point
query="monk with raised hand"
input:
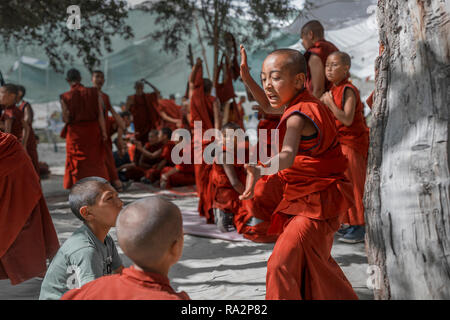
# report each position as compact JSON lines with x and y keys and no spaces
{"x":27,"y":235}
{"x":28,"y":116}
{"x":12,"y":118}
{"x":150,"y":233}
{"x":317,"y":51}
{"x":204,"y":108}
{"x":345,"y":103}
{"x":316,"y":193}
{"x":170,"y":113}
{"x":85,"y":131}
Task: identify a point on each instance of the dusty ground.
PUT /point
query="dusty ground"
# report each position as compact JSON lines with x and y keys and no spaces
{"x":209,"y":269}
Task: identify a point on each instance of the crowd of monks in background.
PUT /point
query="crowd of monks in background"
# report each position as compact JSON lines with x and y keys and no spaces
{"x":143,"y":154}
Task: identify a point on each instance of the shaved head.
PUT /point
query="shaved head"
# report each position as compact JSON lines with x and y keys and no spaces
{"x":147,"y":229}
{"x":343,"y":57}
{"x":315,"y":26}
{"x":293,"y":60}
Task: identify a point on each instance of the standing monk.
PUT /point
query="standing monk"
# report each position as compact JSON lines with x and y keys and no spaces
{"x":316,"y":194}
{"x":203,"y":108}
{"x":98,"y":79}
{"x":170,"y":113}
{"x":344,"y":101}
{"x":85,"y":131}
{"x":28,"y":116}
{"x":27,"y":234}
{"x":317,"y":51}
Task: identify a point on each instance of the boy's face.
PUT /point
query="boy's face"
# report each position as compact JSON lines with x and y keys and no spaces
{"x":153,"y":138}
{"x":335,"y":70}
{"x":280,"y":84}
{"x":307,"y":39}
{"x":107,"y":207}
{"x":98,"y":79}
{"x":162,"y":136}
{"x":7,"y":98}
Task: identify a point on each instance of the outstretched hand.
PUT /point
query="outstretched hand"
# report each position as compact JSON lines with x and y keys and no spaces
{"x":245,"y":72}
{"x":253,"y":175}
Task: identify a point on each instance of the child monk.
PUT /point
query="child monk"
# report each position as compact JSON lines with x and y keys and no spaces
{"x":317,"y":51}
{"x":12,"y":117}
{"x":163,"y":155}
{"x":27,"y":235}
{"x":150,"y":233}
{"x":179,"y":175}
{"x":227,"y":180}
{"x":204,"y":108}
{"x":90,"y":252}
{"x":98,"y":80}
{"x":316,"y":193}
{"x":345,"y":103}
{"x":85,"y":131}
{"x":28,"y":116}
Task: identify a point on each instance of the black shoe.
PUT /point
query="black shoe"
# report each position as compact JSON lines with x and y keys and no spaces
{"x":343,"y":230}
{"x":224,"y":220}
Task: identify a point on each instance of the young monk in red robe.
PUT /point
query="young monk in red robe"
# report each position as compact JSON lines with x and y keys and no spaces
{"x":150,"y":233}
{"x":179,"y":175}
{"x":345,"y":103}
{"x":317,"y":51}
{"x":12,"y":117}
{"x":170,"y":113}
{"x":27,"y":234}
{"x":316,"y":194}
{"x":204,"y":108}
{"x":28,"y":116}
{"x":98,"y":80}
{"x":227,"y":179}
{"x":162,"y":155}
{"x":85,"y":131}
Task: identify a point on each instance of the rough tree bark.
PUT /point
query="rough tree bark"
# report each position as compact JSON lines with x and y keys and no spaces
{"x":407,"y":187}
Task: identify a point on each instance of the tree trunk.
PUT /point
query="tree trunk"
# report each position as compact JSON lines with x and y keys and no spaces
{"x":407,"y":187}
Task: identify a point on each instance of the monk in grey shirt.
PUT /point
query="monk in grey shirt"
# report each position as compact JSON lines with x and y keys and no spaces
{"x":90,"y":252}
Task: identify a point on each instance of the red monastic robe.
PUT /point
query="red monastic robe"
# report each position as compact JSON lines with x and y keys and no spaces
{"x":224,"y":196}
{"x":185,"y":176}
{"x":145,"y":114}
{"x":131,"y":284}
{"x":110,"y":130}
{"x":27,"y":234}
{"x":31,"y":142}
{"x":202,"y":110}
{"x":355,"y":145}
{"x":85,"y":148}
{"x":323,"y":49}
{"x":154,"y":173}
{"x":316,"y":195}
{"x":172,"y":110}
{"x":14,"y":113}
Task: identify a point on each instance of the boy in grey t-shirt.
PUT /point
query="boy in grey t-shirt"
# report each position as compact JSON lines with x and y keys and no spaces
{"x":90,"y":252}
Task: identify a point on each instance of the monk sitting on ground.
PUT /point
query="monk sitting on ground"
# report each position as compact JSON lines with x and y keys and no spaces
{"x":344,"y":101}
{"x":316,"y":193}
{"x":150,"y":233}
{"x":90,"y":252}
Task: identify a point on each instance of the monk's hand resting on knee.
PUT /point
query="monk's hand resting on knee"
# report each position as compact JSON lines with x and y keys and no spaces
{"x":253,"y":175}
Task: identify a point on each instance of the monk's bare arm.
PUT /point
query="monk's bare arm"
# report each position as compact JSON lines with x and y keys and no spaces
{"x":146,"y":153}
{"x":257,"y":92}
{"x":226,"y":113}
{"x":346,"y":115}
{"x":216,"y":112}
{"x":130,"y":101}
{"x":118,"y":118}
{"x":230,"y":171}
{"x":27,"y":115}
{"x":25,"y":132}
{"x":101,"y":121}
{"x":317,"y":71}
{"x":161,"y":164}
{"x":8,"y":125}
{"x":166,"y":117}
{"x":65,"y":112}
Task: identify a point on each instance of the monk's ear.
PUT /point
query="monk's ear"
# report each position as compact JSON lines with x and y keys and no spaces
{"x":84,"y":212}
{"x":300,"y":80}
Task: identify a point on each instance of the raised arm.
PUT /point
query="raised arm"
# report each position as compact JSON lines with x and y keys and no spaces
{"x":257,"y":92}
